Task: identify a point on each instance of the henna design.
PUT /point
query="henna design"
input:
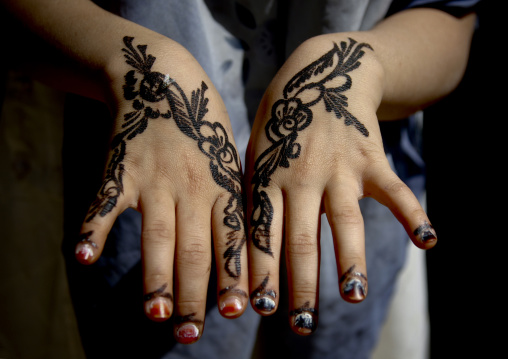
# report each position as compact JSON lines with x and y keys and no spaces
{"x":326,"y":79}
{"x":161,"y":292}
{"x":144,"y":87}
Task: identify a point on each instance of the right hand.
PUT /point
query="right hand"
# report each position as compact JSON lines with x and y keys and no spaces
{"x":172,"y":158}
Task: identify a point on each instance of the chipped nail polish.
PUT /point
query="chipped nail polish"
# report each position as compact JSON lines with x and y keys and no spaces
{"x":262,"y":299}
{"x":85,"y":252}
{"x":304,"y":323}
{"x":187,"y":333}
{"x":158,"y":309}
{"x":354,"y":285}
{"x":265,"y":304}
{"x":304,"y":319}
{"x":231,"y":306}
{"x":354,"y":289}
{"x":85,"y":248}
{"x":425,"y":233}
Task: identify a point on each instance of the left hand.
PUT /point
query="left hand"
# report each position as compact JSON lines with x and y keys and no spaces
{"x":316,"y":147}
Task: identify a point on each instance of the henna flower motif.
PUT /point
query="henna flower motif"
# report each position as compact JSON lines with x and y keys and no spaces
{"x":288,"y":116}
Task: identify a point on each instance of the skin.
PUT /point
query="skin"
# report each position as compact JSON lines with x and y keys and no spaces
{"x":408,"y":49}
{"x":337,"y":165}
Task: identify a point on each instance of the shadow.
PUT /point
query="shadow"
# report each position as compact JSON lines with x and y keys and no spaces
{"x":462,"y":149}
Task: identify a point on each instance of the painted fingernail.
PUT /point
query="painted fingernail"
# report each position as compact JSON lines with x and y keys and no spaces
{"x":265,"y":303}
{"x":187,"y":333}
{"x":231,"y":307}
{"x":304,"y":320}
{"x":354,"y":285}
{"x":85,"y":249}
{"x":158,"y":303}
{"x":262,"y":299}
{"x":425,"y":233}
{"x":158,"y":309}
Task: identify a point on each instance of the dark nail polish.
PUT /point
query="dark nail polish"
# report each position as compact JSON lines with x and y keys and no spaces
{"x":304,"y":319}
{"x":353,"y":285}
{"x":425,"y":232}
{"x":304,"y":323}
{"x":264,"y":303}
{"x":355,"y":290}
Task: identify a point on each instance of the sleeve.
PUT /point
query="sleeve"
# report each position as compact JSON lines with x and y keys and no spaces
{"x":454,"y":7}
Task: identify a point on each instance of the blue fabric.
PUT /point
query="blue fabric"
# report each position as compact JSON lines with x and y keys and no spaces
{"x":455,"y":7}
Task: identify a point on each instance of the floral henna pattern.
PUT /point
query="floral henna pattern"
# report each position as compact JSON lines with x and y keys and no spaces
{"x":325,"y":80}
{"x":144,"y":87}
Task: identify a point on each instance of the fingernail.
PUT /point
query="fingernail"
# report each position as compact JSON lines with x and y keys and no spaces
{"x":85,"y":252}
{"x":262,"y":299}
{"x":304,"y":322}
{"x":425,"y":233}
{"x":158,"y":309}
{"x":354,"y":289}
{"x":354,"y":285}
{"x":187,"y":333}
{"x":231,"y":307}
{"x":264,"y":303}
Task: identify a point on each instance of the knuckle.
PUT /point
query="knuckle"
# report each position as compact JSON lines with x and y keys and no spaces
{"x":396,"y":187}
{"x":156,"y":275}
{"x":194,"y":254}
{"x":194,"y":177}
{"x":159,"y":231}
{"x":191,"y":303}
{"x":302,"y":244}
{"x":304,"y":291}
{"x":347,"y":214}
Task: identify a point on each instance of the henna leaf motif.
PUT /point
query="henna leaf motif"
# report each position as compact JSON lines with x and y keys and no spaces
{"x":189,"y":116}
{"x":325,"y":79}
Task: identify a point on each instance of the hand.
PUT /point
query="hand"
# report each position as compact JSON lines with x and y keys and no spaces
{"x":316,"y":147}
{"x":174,"y":159}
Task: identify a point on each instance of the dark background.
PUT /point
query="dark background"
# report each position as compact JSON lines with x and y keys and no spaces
{"x":463,"y":148}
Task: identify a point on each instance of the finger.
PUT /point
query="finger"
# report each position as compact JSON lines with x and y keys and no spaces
{"x":158,"y":248}
{"x":110,"y":202}
{"x":389,"y":190}
{"x":265,"y":240}
{"x":231,"y":254}
{"x":346,"y":221}
{"x":302,"y":256}
{"x":192,"y":265}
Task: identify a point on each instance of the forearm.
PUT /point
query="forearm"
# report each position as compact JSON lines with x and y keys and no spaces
{"x":424,"y":53}
{"x":72,"y":44}
{"x":72,"y":26}
{"x":417,"y":57}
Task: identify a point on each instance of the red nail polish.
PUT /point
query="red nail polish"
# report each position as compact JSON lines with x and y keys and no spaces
{"x":85,"y":252}
{"x":231,"y":307}
{"x":158,"y":309}
{"x":187,"y":333}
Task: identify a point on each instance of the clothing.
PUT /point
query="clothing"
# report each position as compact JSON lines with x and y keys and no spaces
{"x":240,"y":45}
